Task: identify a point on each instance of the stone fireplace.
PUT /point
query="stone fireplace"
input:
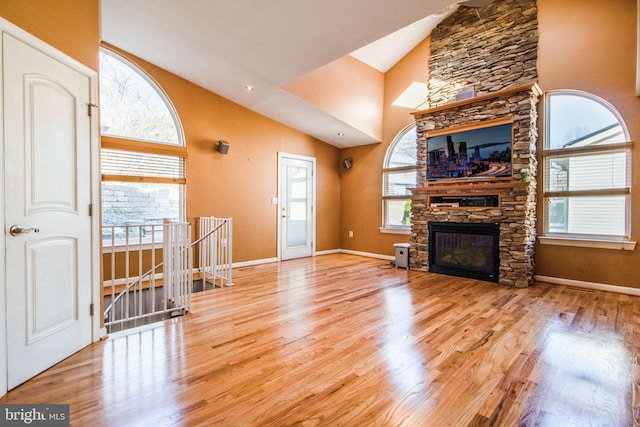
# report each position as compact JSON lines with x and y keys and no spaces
{"x":465,"y":249}
{"x":482,"y":71}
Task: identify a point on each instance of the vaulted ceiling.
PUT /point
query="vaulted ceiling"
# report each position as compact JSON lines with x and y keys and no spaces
{"x":226,"y":45}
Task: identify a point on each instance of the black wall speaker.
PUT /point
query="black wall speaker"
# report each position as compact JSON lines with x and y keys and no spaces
{"x":347,"y":163}
{"x":222,"y":147}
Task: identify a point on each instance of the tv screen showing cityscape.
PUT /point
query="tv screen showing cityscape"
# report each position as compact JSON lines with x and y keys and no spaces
{"x":477,"y":153}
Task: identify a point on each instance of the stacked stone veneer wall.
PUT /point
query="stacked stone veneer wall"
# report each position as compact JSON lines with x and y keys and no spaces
{"x":124,"y":204}
{"x":488,"y":49}
{"x":516,"y":213}
{"x":490,"y":53}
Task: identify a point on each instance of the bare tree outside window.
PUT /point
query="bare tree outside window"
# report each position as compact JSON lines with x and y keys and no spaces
{"x":130,"y":106}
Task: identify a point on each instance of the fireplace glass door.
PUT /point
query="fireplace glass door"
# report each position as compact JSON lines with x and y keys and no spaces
{"x":465,"y":249}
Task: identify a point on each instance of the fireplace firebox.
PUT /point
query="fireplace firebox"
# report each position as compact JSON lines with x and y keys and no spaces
{"x":465,"y":249}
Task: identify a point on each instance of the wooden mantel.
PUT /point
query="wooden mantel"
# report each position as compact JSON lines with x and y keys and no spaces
{"x":516,"y":89}
{"x":469,"y":186}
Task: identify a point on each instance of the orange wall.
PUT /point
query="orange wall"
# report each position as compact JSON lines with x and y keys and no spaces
{"x":586,"y":46}
{"x":583,"y":45}
{"x":242,"y":183}
{"x":362,"y":184}
{"x":356,"y":95}
{"x":70,"y":26}
{"x":591,"y":46}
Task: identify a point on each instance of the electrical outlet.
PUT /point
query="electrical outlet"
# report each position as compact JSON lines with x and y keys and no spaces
{"x":350,"y":233}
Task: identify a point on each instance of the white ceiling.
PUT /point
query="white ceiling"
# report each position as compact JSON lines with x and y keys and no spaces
{"x":224,"y":45}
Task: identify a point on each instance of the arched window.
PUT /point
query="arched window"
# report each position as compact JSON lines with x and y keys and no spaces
{"x":587,"y":171}
{"x":132,"y":105}
{"x":143,"y":150}
{"x":398,"y":176}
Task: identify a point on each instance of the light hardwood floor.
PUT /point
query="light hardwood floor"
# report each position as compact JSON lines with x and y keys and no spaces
{"x":340,"y":340}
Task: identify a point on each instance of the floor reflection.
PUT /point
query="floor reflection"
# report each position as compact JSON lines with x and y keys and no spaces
{"x":138,"y":366}
{"x":294,"y":302}
{"x":405,"y":362}
{"x":584,"y":380}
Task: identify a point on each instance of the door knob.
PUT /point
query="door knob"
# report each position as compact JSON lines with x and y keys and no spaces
{"x":17,"y":229}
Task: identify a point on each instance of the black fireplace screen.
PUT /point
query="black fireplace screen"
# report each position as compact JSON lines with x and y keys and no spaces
{"x":465,"y":249}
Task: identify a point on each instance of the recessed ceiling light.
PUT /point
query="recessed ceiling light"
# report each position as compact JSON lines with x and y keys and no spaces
{"x":249,"y":88}
{"x":340,"y":134}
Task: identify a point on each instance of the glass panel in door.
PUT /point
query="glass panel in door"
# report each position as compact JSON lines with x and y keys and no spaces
{"x":297,"y":206}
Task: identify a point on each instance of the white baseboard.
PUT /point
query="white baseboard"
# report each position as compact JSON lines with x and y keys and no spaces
{"x":107,"y":283}
{"x":319,"y":253}
{"x":117,"y":282}
{"x":136,"y":330}
{"x":329,"y":252}
{"x":589,"y":285}
{"x":367,"y":254}
{"x":254,"y":262}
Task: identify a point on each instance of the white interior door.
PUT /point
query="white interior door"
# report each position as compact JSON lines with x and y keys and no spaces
{"x":47,"y":176}
{"x":296,"y":208}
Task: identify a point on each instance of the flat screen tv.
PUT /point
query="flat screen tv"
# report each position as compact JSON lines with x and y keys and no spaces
{"x":482,"y":152}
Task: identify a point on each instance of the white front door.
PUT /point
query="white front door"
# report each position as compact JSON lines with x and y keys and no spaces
{"x":296,"y":207}
{"x":47,"y":176}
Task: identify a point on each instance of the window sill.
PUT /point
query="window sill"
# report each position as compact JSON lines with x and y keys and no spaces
{"x":625,"y":245}
{"x":390,"y":230}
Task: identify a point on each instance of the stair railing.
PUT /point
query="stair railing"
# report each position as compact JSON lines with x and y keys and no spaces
{"x":130,"y":307}
{"x":216,"y":253}
{"x":152,"y":293}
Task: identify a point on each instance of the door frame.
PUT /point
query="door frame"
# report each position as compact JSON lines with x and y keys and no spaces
{"x":281,"y":157}
{"x":97,"y":331}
